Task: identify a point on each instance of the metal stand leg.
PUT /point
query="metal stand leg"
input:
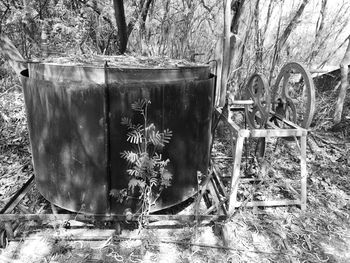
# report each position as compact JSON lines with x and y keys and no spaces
{"x":237,"y":156}
{"x":303,"y":172}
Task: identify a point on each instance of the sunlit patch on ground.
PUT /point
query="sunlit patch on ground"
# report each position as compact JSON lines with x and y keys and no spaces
{"x":33,"y":249}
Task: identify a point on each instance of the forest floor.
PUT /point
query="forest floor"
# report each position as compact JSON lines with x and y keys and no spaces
{"x":321,"y":233}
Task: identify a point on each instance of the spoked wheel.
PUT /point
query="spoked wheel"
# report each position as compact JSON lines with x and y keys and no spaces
{"x":257,"y":90}
{"x":257,"y":114}
{"x":293,"y":95}
{"x":3,"y":238}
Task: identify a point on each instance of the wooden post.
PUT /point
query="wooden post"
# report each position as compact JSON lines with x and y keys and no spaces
{"x":344,"y":70}
{"x":303,"y":172}
{"x":237,"y":156}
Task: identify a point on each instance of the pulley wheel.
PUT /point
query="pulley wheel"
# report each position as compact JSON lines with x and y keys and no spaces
{"x":293,"y":95}
{"x":257,"y":90}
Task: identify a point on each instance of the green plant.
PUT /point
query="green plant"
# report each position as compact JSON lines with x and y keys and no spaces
{"x":147,"y":169}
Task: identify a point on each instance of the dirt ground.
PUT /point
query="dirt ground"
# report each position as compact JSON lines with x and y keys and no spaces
{"x":321,"y":233}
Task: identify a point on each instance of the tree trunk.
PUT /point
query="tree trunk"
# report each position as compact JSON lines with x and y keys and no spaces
{"x":276,"y":51}
{"x":318,"y":44}
{"x":225,"y":49}
{"x":144,"y":12}
{"x":268,"y":16}
{"x":226,"y":52}
{"x":280,"y":42}
{"x":321,"y":19}
{"x":258,"y":42}
{"x":241,"y":50}
{"x":237,"y":8}
{"x":119,"y":14}
{"x":344,"y":70}
{"x":141,"y":15}
{"x":292,"y":24}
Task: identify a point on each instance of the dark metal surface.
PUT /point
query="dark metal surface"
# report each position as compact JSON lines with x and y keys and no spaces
{"x":67,"y":124}
{"x":66,"y":128}
{"x":257,"y":90}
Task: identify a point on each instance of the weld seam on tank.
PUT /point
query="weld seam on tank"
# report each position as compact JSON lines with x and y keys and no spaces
{"x":107,"y":137}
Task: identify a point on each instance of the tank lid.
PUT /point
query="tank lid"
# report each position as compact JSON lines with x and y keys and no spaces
{"x":121,"y":69}
{"x":121,"y":61}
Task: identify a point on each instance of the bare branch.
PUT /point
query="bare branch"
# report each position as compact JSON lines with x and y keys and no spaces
{"x":292,"y":24}
{"x":97,"y":11}
{"x":269,"y":11}
{"x":321,"y":18}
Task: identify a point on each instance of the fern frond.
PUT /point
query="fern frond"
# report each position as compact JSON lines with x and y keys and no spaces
{"x":119,"y":195}
{"x":133,"y":172}
{"x":166,"y":136}
{"x":139,"y":105}
{"x":153,"y":181}
{"x":166,"y":178}
{"x":163,"y":163}
{"x":130,"y":156}
{"x":156,"y":139}
{"x":157,"y":157}
{"x":135,"y":137}
{"x":114,"y":193}
{"x":137,"y":127}
{"x":151,"y":127}
{"x":146,"y":164}
{"x":126,"y":122}
{"x":135,"y":182}
{"x":141,"y":159}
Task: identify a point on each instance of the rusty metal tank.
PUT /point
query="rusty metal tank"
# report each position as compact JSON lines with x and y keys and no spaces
{"x":74,"y":118}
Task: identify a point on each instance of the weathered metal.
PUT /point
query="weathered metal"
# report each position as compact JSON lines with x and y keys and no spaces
{"x":258,"y":91}
{"x":74,"y":116}
{"x":95,"y":74}
{"x":293,"y":94}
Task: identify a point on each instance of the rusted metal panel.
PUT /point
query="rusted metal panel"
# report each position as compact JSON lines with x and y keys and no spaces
{"x":65,"y":123}
{"x":77,"y":138}
{"x":185,"y":108}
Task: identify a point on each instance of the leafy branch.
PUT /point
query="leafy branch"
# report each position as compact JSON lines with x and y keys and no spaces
{"x":147,"y":170}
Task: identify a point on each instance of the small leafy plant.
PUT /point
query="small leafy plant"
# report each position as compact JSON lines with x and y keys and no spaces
{"x":147,"y":169}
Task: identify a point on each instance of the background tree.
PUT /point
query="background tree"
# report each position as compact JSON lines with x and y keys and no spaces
{"x":259,"y":35}
{"x":119,"y":14}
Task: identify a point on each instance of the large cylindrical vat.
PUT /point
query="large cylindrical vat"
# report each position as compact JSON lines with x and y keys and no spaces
{"x":74,"y":118}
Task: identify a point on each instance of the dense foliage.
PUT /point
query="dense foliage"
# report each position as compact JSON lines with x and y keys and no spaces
{"x":267,"y":33}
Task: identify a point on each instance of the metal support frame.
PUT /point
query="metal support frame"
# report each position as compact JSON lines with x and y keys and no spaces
{"x":216,"y":212}
{"x":222,"y":203}
{"x":240,"y":135}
